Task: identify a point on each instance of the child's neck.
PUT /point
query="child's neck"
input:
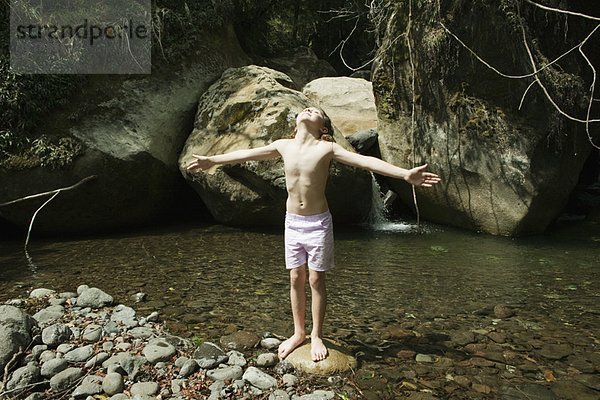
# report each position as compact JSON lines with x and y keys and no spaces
{"x":305,"y":135}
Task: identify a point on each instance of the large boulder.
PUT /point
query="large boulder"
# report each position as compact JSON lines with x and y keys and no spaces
{"x":132,"y":129}
{"x":349,"y":102}
{"x":505,"y":170}
{"x":250,"y":107}
{"x":15,"y":332}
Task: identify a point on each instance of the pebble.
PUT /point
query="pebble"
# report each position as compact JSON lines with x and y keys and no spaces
{"x":65,"y":348}
{"x":290,"y":380}
{"x":188,"y":368}
{"x":49,"y":314}
{"x":124,"y":315}
{"x":144,"y":389}
{"x":259,"y":379}
{"x":158,"y":350}
{"x":208,"y":350}
{"x":64,"y":379}
{"x":80,"y":354}
{"x":267,"y":360}
{"x":236,"y":358}
{"x":92,"y":333}
{"x":270,"y":343}
{"x":424,"y":358}
{"x":318,"y":395}
{"x":93,"y":297}
{"x":279,"y":395}
{"x":53,"y":367}
{"x":113,"y":383}
{"x":41,"y":292}
{"x":56,"y":334}
{"x":502,"y":311}
{"x":23,"y":377}
{"x":240,"y":341}
{"x":98,"y":359}
{"x":221,"y":374}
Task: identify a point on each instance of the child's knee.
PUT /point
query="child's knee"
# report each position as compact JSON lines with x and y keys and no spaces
{"x":298,"y":276}
{"x":316,"y":279}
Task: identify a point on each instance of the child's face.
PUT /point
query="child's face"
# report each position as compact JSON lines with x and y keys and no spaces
{"x":310,"y":114}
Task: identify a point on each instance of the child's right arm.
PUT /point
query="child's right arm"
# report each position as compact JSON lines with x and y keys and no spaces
{"x":259,"y":153}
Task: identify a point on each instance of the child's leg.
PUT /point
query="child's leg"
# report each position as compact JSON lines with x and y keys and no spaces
{"x":319,"y":304}
{"x":298,"y":300}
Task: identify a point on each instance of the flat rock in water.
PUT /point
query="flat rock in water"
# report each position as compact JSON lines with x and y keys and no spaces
{"x":208,"y":350}
{"x":337,"y":361}
{"x":240,"y":340}
{"x":556,"y":351}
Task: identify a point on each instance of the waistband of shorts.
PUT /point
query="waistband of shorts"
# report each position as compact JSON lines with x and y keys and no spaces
{"x":309,"y":218}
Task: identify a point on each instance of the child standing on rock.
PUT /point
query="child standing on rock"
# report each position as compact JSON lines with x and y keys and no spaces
{"x":308,"y":223}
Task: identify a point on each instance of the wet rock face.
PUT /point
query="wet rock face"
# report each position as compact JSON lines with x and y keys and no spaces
{"x":501,"y":167}
{"x":132,"y":131}
{"x":250,"y":107}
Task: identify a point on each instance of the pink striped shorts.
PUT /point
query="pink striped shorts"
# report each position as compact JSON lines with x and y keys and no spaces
{"x":309,"y":240}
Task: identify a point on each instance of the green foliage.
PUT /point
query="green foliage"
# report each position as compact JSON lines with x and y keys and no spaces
{"x":20,"y":152}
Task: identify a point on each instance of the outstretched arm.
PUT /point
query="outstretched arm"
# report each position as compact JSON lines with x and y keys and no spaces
{"x":259,"y":153}
{"x":415,"y":176}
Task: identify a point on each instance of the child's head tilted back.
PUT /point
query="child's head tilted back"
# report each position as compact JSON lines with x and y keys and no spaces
{"x":316,"y":115}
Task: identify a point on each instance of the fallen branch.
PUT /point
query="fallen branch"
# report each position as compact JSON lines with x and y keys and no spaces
{"x":33,"y":196}
{"x":34,"y":215}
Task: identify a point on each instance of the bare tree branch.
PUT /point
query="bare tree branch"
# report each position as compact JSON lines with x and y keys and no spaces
{"x":537,"y":70}
{"x":33,"y":196}
{"x":562,"y":11}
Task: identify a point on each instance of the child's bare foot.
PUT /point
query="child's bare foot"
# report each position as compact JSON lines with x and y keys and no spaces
{"x":318,"y":351}
{"x":289,"y":345}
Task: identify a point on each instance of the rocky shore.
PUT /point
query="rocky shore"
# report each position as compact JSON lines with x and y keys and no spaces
{"x":79,"y":345}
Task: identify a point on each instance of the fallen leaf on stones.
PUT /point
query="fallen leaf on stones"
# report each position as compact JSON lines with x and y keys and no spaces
{"x":530,"y":359}
{"x":408,"y":385}
{"x":549,"y":376}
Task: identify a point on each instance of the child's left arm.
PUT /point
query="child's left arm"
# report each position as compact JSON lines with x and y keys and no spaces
{"x":416,"y":176}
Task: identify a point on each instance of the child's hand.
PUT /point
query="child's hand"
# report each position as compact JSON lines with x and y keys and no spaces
{"x":418,"y":177}
{"x":200,"y":162}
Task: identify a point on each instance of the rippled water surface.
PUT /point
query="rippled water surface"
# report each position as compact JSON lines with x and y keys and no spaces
{"x":208,"y":280}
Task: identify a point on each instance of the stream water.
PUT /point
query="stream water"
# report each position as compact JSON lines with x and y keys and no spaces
{"x":210,"y":280}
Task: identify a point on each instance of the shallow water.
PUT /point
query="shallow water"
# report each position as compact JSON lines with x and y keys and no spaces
{"x":210,"y":280}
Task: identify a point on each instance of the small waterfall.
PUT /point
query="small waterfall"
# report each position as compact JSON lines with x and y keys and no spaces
{"x":378,"y":218}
